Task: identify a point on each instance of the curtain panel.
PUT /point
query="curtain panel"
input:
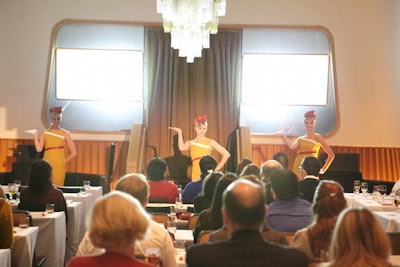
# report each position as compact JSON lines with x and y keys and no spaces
{"x":179,"y":91}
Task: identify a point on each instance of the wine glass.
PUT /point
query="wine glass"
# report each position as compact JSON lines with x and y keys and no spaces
{"x":364,"y":188}
{"x":357,"y":185}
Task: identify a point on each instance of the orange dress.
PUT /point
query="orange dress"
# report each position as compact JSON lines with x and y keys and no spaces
{"x":198,"y":150}
{"x":54,"y":142}
{"x":307,"y":147}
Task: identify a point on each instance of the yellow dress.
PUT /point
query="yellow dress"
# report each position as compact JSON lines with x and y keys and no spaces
{"x":198,"y":150}
{"x":54,"y":142}
{"x":307,"y":147}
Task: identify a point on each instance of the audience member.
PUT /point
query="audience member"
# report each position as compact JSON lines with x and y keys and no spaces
{"x":179,"y":165}
{"x":158,"y":237}
{"x":203,"y":200}
{"x":288,"y":212}
{"x":2,"y":195}
{"x":113,"y":228}
{"x":211,"y":219}
{"x":309,"y":174}
{"x":243,"y":163}
{"x":266,"y":169}
{"x":251,"y":169}
{"x":41,"y":190}
{"x":315,"y":240}
{"x":282,"y":158}
{"x":243,"y":213}
{"x":359,"y":241}
{"x":192,"y":189}
{"x":160,"y":189}
{"x":268,"y":234}
{"x":6,"y":224}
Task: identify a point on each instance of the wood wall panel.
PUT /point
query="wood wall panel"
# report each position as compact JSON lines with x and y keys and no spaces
{"x":377,"y":163}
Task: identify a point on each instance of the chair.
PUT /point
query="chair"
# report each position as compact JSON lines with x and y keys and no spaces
{"x":394,"y":238}
{"x":204,"y":236}
{"x":193,"y":221}
{"x":38,"y":261}
{"x":160,"y":217}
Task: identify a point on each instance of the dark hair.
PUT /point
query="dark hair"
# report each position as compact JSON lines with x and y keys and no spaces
{"x":243,"y":163}
{"x":284,"y":183}
{"x":282,"y":158}
{"x":207,"y":163}
{"x":156,"y":169}
{"x":244,"y":214}
{"x":209,"y":185}
{"x":40,"y":177}
{"x":311,"y":165}
{"x":251,"y":169}
{"x":216,"y":204}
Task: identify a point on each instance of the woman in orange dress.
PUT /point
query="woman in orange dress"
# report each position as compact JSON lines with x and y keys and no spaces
{"x":200,"y":146}
{"x":309,"y":144}
{"x":52,"y":140}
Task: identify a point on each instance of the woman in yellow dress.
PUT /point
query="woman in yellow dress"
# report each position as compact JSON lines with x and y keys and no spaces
{"x":309,"y":144}
{"x":52,"y":140}
{"x":200,"y":146}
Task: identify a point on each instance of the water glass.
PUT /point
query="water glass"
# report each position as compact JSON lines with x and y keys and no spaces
{"x":49,"y":208}
{"x":23,"y":222}
{"x":357,"y":185}
{"x":86,"y":184}
{"x":364,"y":188}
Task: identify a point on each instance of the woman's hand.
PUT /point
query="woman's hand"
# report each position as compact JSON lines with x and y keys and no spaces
{"x":175,"y":129}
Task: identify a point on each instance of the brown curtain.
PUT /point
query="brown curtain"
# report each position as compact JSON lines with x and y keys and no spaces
{"x":179,"y":91}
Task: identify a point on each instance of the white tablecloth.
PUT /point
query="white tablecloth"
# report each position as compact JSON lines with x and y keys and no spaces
{"x":5,"y":257}
{"x":75,"y":229}
{"x":96,"y":191}
{"x":359,"y":201}
{"x":23,"y":247}
{"x":390,"y":221}
{"x":87,"y":200}
{"x":184,"y":235}
{"x":51,"y":238}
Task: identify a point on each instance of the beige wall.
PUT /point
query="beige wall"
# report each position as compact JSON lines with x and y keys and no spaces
{"x":366,"y":40}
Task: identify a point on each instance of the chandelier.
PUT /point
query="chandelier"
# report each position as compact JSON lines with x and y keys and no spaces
{"x":190,"y":23}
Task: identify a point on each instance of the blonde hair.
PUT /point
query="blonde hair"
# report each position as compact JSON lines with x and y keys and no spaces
{"x":359,"y":240}
{"x":117,"y":219}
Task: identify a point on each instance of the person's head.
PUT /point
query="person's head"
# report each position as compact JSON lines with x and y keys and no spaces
{"x":267,"y":168}
{"x":207,"y":164}
{"x":209,"y":184}
{"x":284,"y":184}
{"x":156,"y":169}
{"x":311,"y":166}
{"x":243,"y":205}
{"x":216,"y":204}
{"x":116,"y":220}
{"x":40,"y":176}
{"x":55,"y":115}
{"x":201,"y":125}
{"x":310,"y":119}
{"x":243,"y":163}
{"x":329,"y":200}
{"x":282,"y":158}
{"x":359,"y":239}
{"x":135,"y":184}
{"x":251,"y":169}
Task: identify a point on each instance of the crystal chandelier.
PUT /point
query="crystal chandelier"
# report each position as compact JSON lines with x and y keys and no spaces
{"x":190,"y":23}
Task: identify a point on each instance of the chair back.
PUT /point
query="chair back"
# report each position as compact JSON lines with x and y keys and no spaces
{"x":19,"y":214}
{"x":394,"y":238}
{"x":160,"y":217}
{"x":193,"y":221}
{"x":204,"y":236}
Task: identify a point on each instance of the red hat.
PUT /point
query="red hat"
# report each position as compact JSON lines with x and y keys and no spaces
{"x":310,"y":114}
{"x":201,"y":118}
{"x":55,"y":110}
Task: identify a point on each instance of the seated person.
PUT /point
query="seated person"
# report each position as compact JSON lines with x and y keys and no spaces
{"x":266,"y":169}
{"x":282,"y":158}
{"x":203,"y":200}
{"x":288,"y":212}
{"x":41,"y":191}
{"x":6,"y":224}
{"x":158,"y":237}
{"x":243,"y":214}
{"x":159,"y":187}
{"x":192,"y":189}
{"x":309,"y":174}
{"x":113,"y":228}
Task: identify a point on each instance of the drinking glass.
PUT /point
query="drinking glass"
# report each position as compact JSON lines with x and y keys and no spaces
{"x":11,"y":190}
{"x":23,"y":222}
{"x":364,"y":188}
{"x":49,"y":208}
{"x":86,"y":184}
{"x":397,"y":202}
{"x":357,"y":185}
{"x":382,"y":189}
{"x":171,"y":226}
